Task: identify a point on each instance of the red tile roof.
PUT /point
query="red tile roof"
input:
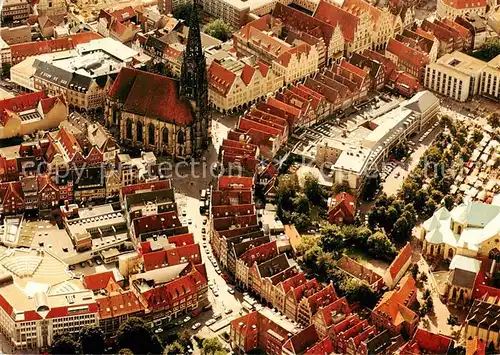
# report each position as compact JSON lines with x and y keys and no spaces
{"x":146,"y":186}
{"x":150,"y":94}
{"x":425,"y":342}
{"x":259,"y":253}
{"x":234,"y":182}
{"x":407,"y":54}
{"x":299,"y":343}
{"x":220,"y":78}
{"x":28,"y":49}
{"x":465,"y":4}
{"x":247,"y":74}
{"x":358,"y":7}
{"x":118,"y":304}
{"x":340,"y":306}
{"x":173,"y":256}
{"x":98,"y":281}
{"x":401,"y":259}
{"x":284,"y":58}
{"x":322,"y":298}
{"x":394,"y":304}
{"x":181,"y":239}
{"x":20,"y":103}
{"x":60,"y":312}
{"x":335,"y":16}
{"x":345,"y":204}
{"x":322,"y":347}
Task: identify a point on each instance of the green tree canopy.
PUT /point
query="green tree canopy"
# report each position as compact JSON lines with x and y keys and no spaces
{"x":380,"y":246}
{"x":211,"y":346}
{"x":332,"y":240}
{"x":219,"y":29}
{"x":494,"y":119}
{"x":313,"y":190}
{"x":91,"y":340}
{"x":183,"y":11}
{"x":64,"y":344}
{"x":135,"y":335}
{"x":358,"y":291}
{"x":173,"y":349}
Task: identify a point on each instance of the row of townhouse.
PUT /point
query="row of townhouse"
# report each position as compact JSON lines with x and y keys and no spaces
{"x":337,"y":329}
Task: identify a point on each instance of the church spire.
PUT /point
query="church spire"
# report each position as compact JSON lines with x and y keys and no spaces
{"x":193,"y":82}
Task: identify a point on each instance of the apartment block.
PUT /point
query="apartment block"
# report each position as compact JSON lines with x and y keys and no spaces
{"x":456,"y":75}
{"x":15,"y":11}
{"x":490,"y":79}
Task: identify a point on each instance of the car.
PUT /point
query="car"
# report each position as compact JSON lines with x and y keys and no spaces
{"x":210,"y":283}
{"x":187,"y":319}
{"x":98,"y":261}
{"x":231,"y":291}
{"x":72,"y":267}
{"x":90,"y":263}
{"x":212,"y":286}
{"x":203,"y":237}
{"x":196,"y":326}
{"x":205,"y":221}
{"x":210,"y":322}
{"x":228,"y":311}
{"x":214,"y":263}
{"x":190,"y":221}
{"x":184,"y":212}
{"x":83,"y":264}
{"x":216,"y":293}
{"x":158,"y":330}
{"x":203,"y":230}
{"x":217,"y":270}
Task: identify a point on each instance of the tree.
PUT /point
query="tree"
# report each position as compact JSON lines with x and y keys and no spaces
{"x":423,"y":310}
{"x":426,"y":294}
{"x":135,"y":335}
{"x":452,"y":320}
{"x":448,"y":202}
{"x":91,"y":340}
{"x":332,"y":240}
{"x":414,"y":271}
{"x":429,"y":303}
{"x":488,"y":50}
{"x":341,"y":187}
{"x":64,"y":344}
{"x":313,"y":189}
{"x":300,"y":203}
{"x":174,"y":349}
{"x":402,"y":229}
{"x":183,"y":12}
{"x":477,"y":135}
{"x":219,"y":29}
{"x":423,"y":277}
{"x":380,"y":246}
{"x":125,"y":351}
{"x":6,"y":69}
{"x":358,"y":291}
{"x":211,"y":346}
{"x":494,"y":119}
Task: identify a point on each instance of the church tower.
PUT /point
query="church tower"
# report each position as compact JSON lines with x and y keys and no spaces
{"x":194,"y":84}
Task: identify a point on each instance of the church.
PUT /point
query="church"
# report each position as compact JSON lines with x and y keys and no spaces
{"x":160,"y":114}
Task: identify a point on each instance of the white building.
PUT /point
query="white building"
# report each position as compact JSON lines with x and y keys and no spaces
{"x":490,"y":79}
{"x":39,"y":297}
{"x":456,"y":75}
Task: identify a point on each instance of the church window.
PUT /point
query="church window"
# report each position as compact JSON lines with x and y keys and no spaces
{"x":180,"y":137}
{"x":151,"y":134}
{"x":164,"y":137}
{"x":139,"y":131}
{"x":129,"y":128}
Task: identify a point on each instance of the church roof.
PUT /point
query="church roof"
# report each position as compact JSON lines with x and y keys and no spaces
{"x":150,"y":95}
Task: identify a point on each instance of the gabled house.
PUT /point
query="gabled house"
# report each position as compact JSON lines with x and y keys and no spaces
{"x":342,"y":209}
{"x":398,"y":266}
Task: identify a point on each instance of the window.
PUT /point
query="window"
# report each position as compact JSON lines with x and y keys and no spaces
{"x":180,"y":137}
{"x":151,"y":134}
{"x":139,"y":131}
{"x":164,"y":136}
{"x":129,"y":129}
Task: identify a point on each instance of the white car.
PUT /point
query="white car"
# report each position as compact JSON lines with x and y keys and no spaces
{"x":190,"y":221}
{"x":187,"y":319}
{"x":216,"y":293}
{"x":184,"y":212}
{"x":210,"y":322}
{"x":231,"y":291}
{"x":228,"y":311}
{"x":217,"y":270}
{"x":158,"y":330}
{"x":196,"y":326}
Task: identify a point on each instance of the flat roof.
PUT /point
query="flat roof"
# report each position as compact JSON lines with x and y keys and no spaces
{"x":462,"y":62}
{"x":251,"y":4}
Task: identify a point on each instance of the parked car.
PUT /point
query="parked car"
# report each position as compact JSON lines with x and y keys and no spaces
{"x":187,"y":319}
{"x":228,"y":311}
{"x":190,"y":221}
{"x":83,"y":264}
{"x":231,"y":291}
{"x":196,"y":326}
{"x":204,"y":221}
{"x":158,"y":330}
{"x":203,"y":230}
{"x":210,"y":322}
{"x":216,"y":293}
